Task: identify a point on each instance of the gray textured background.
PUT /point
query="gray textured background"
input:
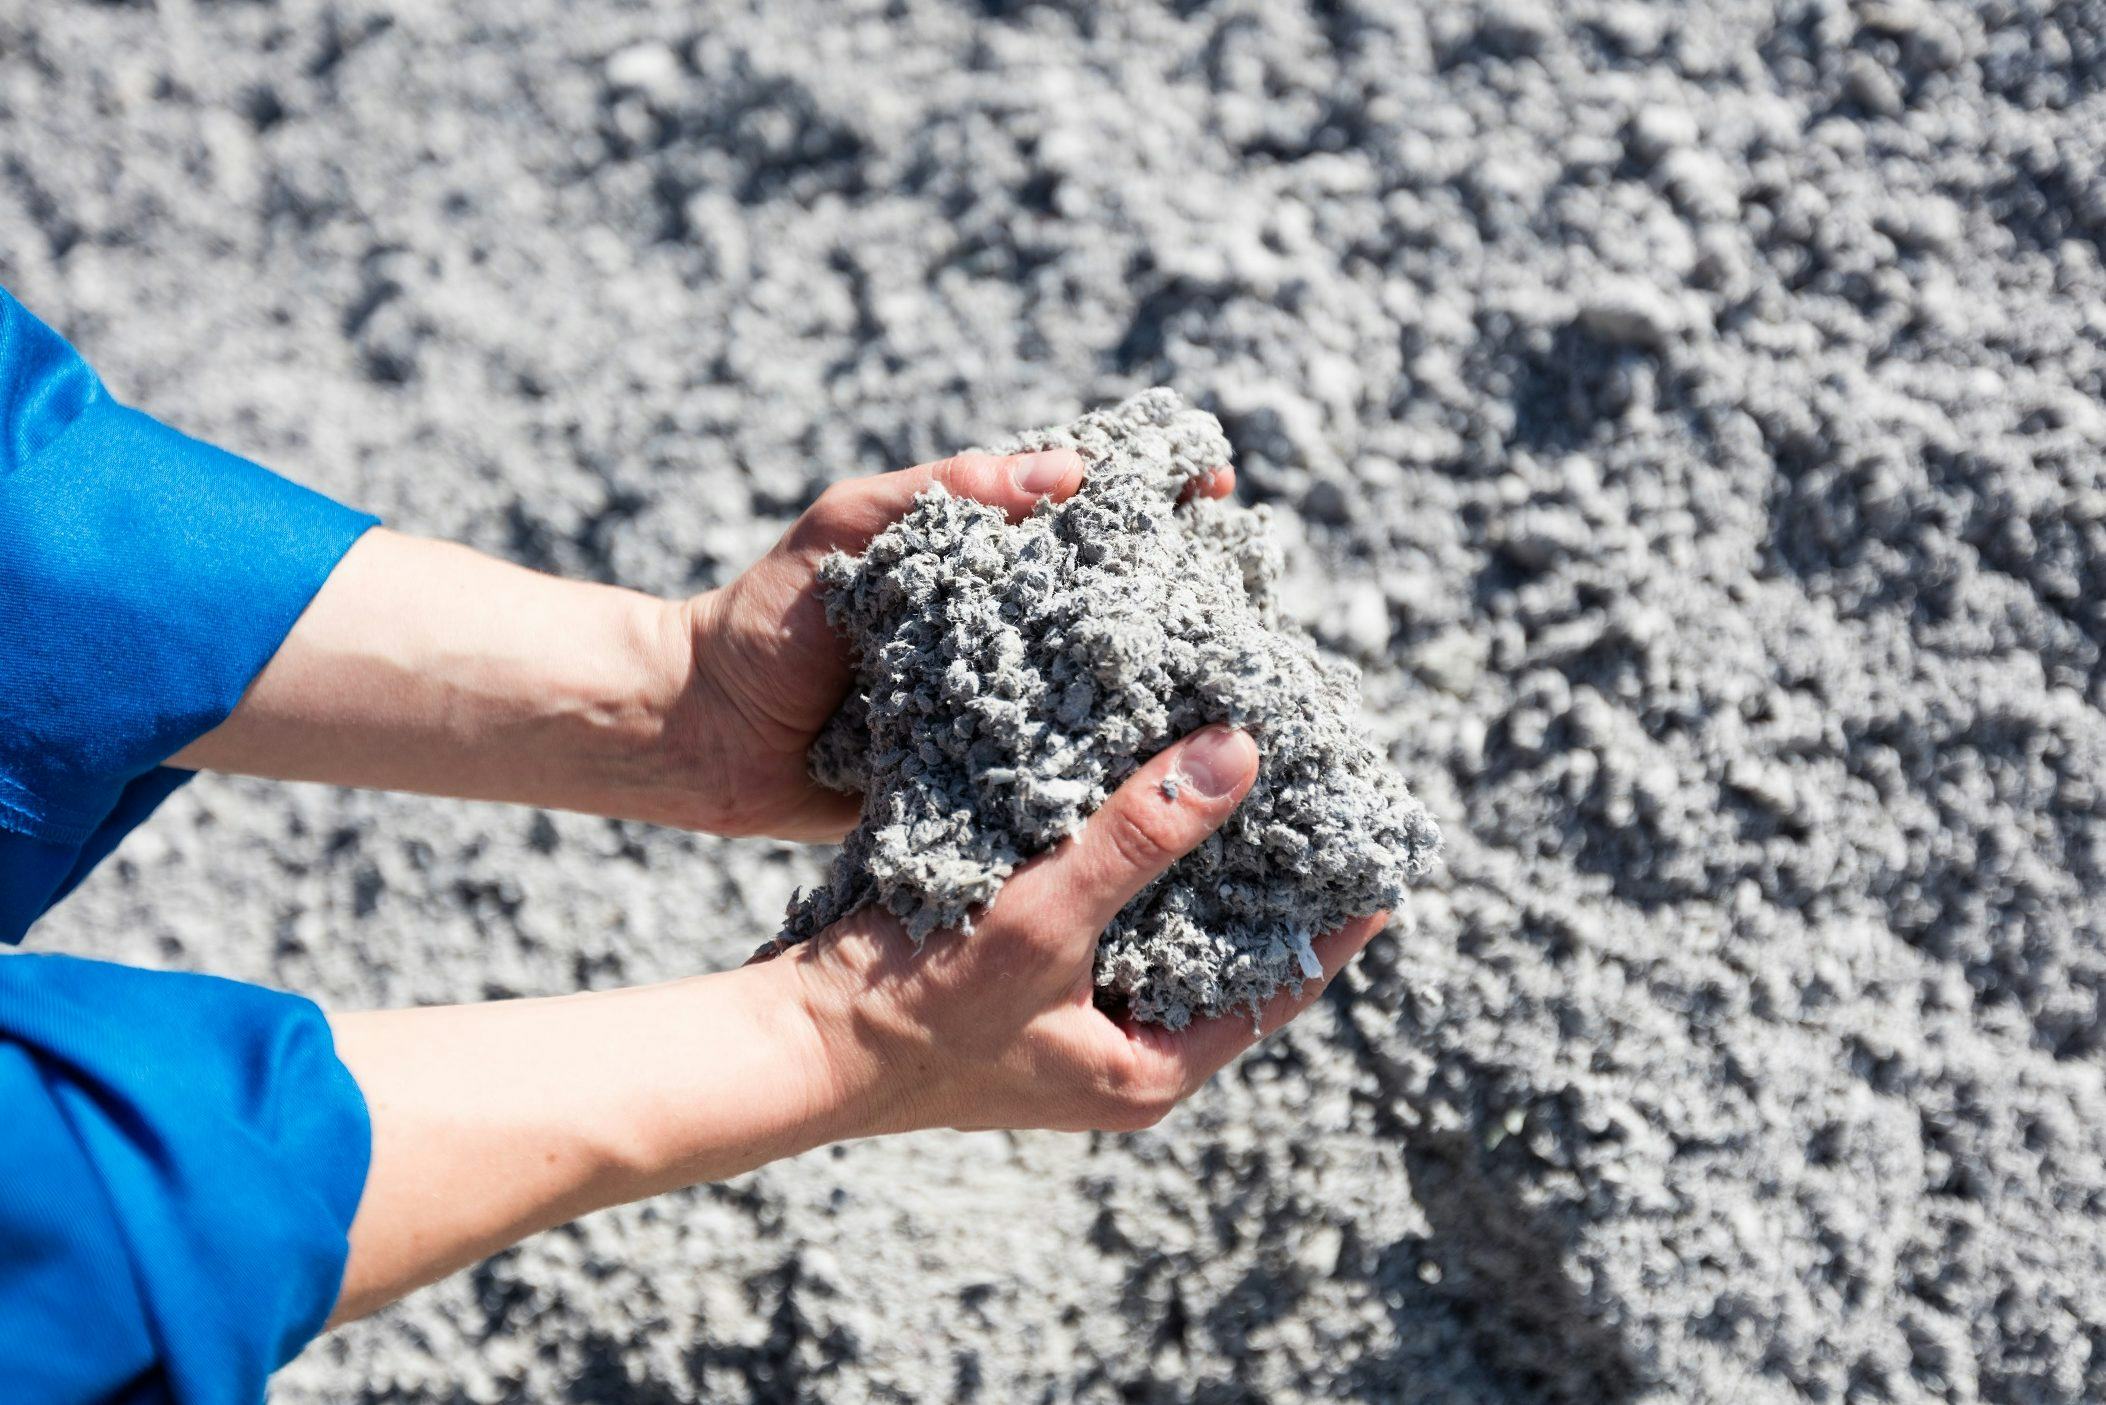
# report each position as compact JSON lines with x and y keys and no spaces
{"x":1691,"y":417}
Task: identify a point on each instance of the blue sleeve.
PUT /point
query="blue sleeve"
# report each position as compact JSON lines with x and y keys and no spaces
{"x":145,"y":579}
{"x":180,"y":1157}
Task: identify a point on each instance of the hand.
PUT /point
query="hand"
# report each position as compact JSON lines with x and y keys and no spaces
{"x":999,"y":1028}
{"x":768,"y":671}
{"x":493,"y":1121}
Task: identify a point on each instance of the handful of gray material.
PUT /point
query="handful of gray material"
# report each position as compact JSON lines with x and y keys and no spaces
{"x":1010,"y":677}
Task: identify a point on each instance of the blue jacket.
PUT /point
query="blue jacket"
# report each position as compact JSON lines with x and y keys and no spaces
{"x":180,"y":1156}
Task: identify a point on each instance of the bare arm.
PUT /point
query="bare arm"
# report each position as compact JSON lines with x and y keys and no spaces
{"x":426,"y":666}
{"x":494,"y":1121}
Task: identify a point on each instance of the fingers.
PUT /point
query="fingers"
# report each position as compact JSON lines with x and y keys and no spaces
{"x":851,"y":512}
{"x":1217,"y":482}
{"x":1136,"y":1073}
{"x":1162,"y":812}
{"x":1200,"y":1049}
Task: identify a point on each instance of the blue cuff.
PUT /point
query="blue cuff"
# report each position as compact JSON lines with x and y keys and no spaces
{"x":145,"y":579}
{"x":181,"y":1163}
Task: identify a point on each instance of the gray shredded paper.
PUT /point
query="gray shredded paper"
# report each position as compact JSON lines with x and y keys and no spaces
{"x":1013,"y":675}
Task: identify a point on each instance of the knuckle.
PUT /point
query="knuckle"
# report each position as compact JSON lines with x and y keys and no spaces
{"x":833,"y":499}
{"x":1127,"y":1120}
{"x":1144,"y":836}
{"x":1133,"y":1098}
{"x":960,"y":473}
{"x":1141,"y":1111}
{"x":816,"y":527}
{"x":1159,"y":1100}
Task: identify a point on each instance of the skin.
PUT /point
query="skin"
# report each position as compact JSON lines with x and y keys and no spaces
{"x":426,"y":667}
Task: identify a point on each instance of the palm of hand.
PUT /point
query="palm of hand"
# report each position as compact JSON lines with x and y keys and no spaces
{"x":769,"y":671}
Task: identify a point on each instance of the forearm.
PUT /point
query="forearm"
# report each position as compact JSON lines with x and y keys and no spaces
{"x":428,"y":667}
{"x":421,"y":666}
{"x":491,"y":1122}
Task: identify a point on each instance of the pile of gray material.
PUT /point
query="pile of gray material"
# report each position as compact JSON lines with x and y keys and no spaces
{"x":1011,"y":676}
{"x":1688,"y":416}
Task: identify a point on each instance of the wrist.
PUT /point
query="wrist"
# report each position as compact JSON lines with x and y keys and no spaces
{"x":867,"y":1080}
{"x":617,"y":710}
{"x":686,"y":762}
{"x":739,"y":1080}
{"x":667,"y":771}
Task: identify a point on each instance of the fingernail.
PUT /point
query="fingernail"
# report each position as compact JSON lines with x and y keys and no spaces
{"x":1216,"y":761}
{"x":1043,"y":471}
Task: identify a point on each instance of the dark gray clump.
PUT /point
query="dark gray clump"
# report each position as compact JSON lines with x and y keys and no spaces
{"x":1013,"y":676}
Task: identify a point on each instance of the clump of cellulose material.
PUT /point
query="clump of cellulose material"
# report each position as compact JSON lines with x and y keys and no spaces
{"x":1011,"y":676}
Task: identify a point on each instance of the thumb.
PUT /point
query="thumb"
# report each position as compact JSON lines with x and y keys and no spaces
{"x":1012,"y":482}
{"x":1158,"y":816}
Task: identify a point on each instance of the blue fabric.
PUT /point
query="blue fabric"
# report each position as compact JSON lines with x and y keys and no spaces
{"x":180,"y":1157}
{"x":145,"y":579}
